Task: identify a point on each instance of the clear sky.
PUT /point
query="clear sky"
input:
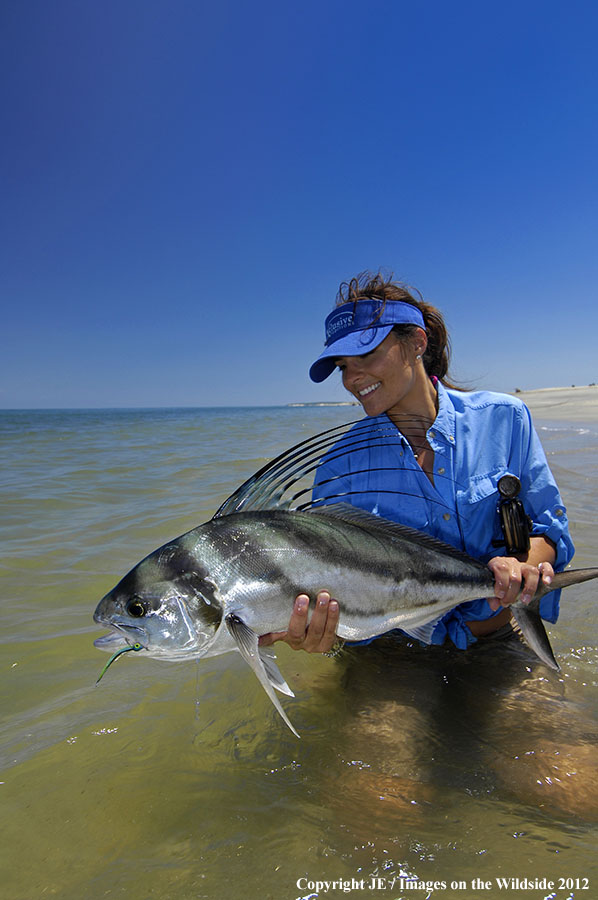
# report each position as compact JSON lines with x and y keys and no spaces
{"x":185,"y":184}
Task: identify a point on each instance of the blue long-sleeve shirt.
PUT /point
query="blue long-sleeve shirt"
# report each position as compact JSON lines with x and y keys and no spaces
{"x":477,"y":438}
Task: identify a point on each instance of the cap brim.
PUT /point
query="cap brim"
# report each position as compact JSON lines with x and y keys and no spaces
{"x":355,"y":344}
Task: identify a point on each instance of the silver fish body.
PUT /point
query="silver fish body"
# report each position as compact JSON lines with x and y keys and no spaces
{"x":220,"y":586}
{"x":253,"y":565}
{"x":385,"y":576}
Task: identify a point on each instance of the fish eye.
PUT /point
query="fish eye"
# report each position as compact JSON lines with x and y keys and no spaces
{"x":136,"y":608}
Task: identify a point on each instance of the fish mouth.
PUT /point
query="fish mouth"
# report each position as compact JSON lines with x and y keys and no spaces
{"x":119,"y":636}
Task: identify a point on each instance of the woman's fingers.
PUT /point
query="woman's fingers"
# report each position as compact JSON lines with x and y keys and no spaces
{"x":297,"y":630}
{"x":329,"y":635}
{"x":321,"y":633}
{"x":512,"y":578}
{"x":315,"y":635}
{"x":294,"y":636}
{"x":546,"y":572}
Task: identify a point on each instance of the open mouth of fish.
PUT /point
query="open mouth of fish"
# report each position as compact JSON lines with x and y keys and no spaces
{"x":119,"y":636}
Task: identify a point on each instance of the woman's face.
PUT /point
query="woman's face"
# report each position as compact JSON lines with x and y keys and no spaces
{"x":382,"y":379}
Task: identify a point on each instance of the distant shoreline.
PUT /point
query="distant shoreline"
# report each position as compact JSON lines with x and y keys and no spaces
{"x":326,"y":403}
{"x":567,"y":404}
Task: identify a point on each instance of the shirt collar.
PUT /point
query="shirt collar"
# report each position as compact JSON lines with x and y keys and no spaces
{"x":445,"y":420}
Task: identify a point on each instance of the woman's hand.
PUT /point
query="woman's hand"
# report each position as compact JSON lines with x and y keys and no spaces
{"x":317,"y":637}
{"x":512,"y":576}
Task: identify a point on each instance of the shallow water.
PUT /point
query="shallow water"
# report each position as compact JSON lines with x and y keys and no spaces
{"x":180,"y":781}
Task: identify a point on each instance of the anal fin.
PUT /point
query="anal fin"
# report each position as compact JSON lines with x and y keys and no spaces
{"x":422,"y":633}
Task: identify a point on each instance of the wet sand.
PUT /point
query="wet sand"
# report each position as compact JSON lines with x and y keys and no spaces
{"x":566,"y":404}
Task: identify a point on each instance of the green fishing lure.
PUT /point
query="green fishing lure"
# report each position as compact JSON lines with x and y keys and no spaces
{"x":115,"y":656}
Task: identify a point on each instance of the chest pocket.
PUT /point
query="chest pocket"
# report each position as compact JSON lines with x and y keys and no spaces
{"x":478,"y":509}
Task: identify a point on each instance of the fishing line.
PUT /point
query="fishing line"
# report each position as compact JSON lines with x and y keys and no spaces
{"x":197,"y":689}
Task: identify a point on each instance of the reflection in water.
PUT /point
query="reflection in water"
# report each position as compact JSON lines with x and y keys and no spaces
{"x":428,"y":722}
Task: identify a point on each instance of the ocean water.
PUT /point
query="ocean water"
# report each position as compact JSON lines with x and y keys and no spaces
{"x":418,"y":770}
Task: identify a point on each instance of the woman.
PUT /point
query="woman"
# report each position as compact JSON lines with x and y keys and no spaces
{"x":442,"y":476}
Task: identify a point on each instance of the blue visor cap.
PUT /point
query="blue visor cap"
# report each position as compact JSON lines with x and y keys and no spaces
{"x":358,"y":327}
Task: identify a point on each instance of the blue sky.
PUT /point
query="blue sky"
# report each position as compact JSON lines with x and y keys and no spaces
{"x":184,"y":185}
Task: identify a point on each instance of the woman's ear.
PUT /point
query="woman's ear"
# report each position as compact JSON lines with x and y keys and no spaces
{"x":420,"y":341}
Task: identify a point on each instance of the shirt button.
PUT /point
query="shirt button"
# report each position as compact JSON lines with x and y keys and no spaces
{"x":441,"y":470}
{"x":432,"y":434}
{"x":446,"y":517}
{"x":559,"y":512}
{"x":451,"y":439}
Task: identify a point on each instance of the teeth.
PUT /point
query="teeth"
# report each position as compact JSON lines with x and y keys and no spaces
{"x":368,"y":390}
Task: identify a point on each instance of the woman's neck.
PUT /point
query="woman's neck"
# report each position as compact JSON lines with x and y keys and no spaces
{"x":416,"y":412}
{"x":413,"y":417}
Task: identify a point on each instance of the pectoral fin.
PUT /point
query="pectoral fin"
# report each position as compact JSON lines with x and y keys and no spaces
{"x":261,"y":663}
{"x":273,"y":672}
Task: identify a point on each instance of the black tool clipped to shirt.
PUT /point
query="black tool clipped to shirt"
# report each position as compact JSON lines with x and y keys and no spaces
{"x":515,"y":524}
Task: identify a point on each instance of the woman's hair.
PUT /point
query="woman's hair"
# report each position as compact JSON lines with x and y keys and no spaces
{"x":366,"y":286}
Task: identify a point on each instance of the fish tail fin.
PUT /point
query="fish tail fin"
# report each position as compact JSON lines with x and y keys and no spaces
{"x":532,"y":629}
{"x":528,"y":618}
{"x":265,"y":669}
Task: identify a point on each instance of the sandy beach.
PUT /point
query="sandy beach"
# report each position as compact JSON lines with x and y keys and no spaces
{"x":567,"y":404}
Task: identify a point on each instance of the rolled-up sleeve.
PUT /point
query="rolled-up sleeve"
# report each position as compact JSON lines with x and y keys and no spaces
{"x":541,"y":494}
{"x":544,"y":506}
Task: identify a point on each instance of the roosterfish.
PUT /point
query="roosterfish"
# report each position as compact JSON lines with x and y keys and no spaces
{"x":220,"y":586}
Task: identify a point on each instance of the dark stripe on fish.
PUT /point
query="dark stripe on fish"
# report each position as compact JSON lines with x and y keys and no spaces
{"x":180,"y":566}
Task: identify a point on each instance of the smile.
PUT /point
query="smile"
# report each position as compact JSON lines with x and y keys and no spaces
{"x":369,"y":389}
